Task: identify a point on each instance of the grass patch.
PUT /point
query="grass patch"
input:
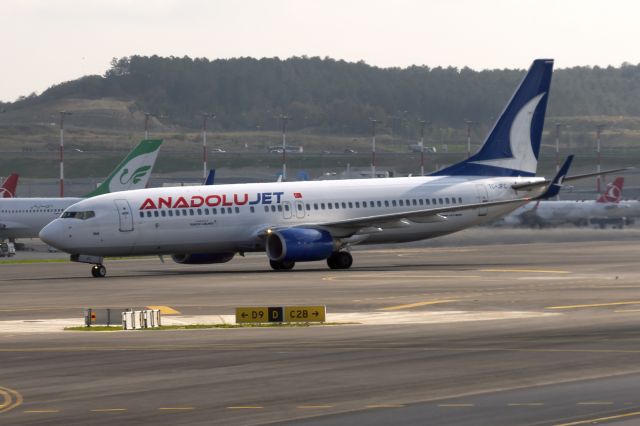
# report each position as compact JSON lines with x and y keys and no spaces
{"x":205,"y":326}
{"x":27,"y":261}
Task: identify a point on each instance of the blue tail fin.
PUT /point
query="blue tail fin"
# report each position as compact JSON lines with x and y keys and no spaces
{"x":210,"y":177}
{"x":512,"y":147}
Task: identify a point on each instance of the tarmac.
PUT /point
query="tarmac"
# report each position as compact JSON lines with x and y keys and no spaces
{"x":502,"y":334}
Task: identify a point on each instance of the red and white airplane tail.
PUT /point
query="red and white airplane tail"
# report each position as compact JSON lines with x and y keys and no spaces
{"x":613,"y":193}
{"x":8,"y":189}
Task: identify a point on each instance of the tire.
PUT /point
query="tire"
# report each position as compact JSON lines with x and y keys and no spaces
{"x":340,"y":260}
{"x":282,"y":265}
{"x":98,"y":271}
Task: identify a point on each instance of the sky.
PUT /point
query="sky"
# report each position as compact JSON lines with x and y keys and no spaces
{"x":46,"y":42}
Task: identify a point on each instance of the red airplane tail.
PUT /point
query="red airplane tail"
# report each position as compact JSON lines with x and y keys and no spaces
{"x":8,"y":189}
{"x":613,"y":193}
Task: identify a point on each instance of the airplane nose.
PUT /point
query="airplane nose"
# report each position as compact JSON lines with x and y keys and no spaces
{"x":52,"y":234}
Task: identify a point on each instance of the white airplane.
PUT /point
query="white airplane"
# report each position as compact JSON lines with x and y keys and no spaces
{"x":319,"y":220}
{"x":25,"y":217}
{"x":609,"y":207}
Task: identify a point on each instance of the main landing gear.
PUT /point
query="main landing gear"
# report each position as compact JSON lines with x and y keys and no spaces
{"x":282,"y":265}
{"x":98,"y":271}
{"x":340,"y":260}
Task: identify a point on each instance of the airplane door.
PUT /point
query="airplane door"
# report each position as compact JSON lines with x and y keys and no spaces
{"x":299,"y":209}
{"x":286,"y":210}
{"x":125,"y":216}
{"x":483,"y":197}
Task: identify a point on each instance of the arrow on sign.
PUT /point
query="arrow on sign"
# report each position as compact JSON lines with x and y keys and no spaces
{"x":315,"y":313}
{"x":243,"y":315}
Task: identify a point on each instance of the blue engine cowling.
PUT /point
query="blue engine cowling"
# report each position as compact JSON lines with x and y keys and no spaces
{"x":299,"y":245}
{"x":202,"y":258}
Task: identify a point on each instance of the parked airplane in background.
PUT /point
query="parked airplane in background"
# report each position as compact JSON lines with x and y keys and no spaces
{"x":320,"y":220}
{"x":25,"y":217}
{"x":607,"y":209}
{"x":8,"y":188}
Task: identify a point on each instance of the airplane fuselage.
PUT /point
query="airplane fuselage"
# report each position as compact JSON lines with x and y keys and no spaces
{"x":25,"y":217}
{"x":233,"y":218}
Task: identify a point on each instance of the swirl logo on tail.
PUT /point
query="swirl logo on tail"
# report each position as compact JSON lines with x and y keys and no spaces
{"x":135,"y":177}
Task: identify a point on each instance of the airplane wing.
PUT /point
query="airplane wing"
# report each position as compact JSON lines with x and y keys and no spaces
{"x":369,"y":224}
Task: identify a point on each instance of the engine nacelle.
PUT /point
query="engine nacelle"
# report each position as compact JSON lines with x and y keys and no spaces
{"x":202,"y":258}
{"x":299,"y":245}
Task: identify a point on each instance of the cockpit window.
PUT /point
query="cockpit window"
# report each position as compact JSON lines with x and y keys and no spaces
{"x":78,"y":215}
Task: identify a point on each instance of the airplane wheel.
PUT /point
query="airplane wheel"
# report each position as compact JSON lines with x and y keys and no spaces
{"x":340,"y":260}
{"x":98,"y":271}
{"x":282,"y":265}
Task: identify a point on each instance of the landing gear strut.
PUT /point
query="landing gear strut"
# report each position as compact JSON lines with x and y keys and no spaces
{"x":98,"y":271}
{"x":282,"y":265}
{"x":340,"y":260}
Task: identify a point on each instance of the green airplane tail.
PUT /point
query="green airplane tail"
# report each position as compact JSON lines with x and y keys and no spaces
{"x":133,"y":172}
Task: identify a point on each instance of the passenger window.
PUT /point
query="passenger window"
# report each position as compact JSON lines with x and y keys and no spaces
{"x":460,"y":200}
{"x":337,"y":205}
{"x":199,"y":212}
{"x":237,"y":209}
{"x":266,"y":209}
{"x":273,"y":208}
{"x":344,"y":205}
{"x":148,"y":214}
{"x":156,"y":214}
{"x":400,"y":202}
{"x":414,"y":202}
{"x":440,"y":200}
{"x":322,"y":206}
{"x":252,"y":209}
{"x":393,"y":203}
{"x":206,"y":211}
{"x":308,"y":206}
{"x":453,"y":201}
{"x":279,"y":207}
{"x":214,"y":211}
{"x":446,"y":200}
{"x":184,"y":212}
{"x":421,"y":201}
{"x":229,"y":210}
{"x":315,"y":206}
{"x":350,"y":205}
{"x":434,"y":201}
{"x":177,"y":212}
{"x":163,"y":213}
{"x":286,"y":207}
{"x":222,"y":210}
{"x":386,"y":203}
{"x":330,"y":206}
{"x":357,"y":205}
{"x":141,"y":214}
{"x":170,"y":213}
{"x":191,"y":212}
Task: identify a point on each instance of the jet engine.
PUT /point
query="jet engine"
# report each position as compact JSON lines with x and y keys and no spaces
{"x":299,"y":245}
{"x":202,"y":258}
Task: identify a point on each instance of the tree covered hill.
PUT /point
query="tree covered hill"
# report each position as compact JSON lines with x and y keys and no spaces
{"x":326,"y":95}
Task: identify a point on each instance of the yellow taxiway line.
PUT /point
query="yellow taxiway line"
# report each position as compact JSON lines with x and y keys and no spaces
{"x":415,"y":305}
{"x":165,"y":310}
{"x":11,"y":399}
{"x":595,"y":305}
{"x":539,"y":271}
{"x":601,"y":419}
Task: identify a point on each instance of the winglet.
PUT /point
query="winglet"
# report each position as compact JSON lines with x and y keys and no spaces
{"x":556,"y":184}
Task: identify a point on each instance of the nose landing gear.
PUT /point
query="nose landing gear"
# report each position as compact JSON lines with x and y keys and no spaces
{"x":98,"y":271}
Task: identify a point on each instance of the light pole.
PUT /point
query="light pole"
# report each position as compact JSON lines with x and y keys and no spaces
{"x":205,"y":116}
{"x":599,"y":128}
{"x":146,"y":124}
{"x":284,"y":119}
{"x":373,"y":147}
{"x":62,"y":114}
{"x":558,"y":126}
{"x":422,"y":123}
{"x":469,"y":123}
